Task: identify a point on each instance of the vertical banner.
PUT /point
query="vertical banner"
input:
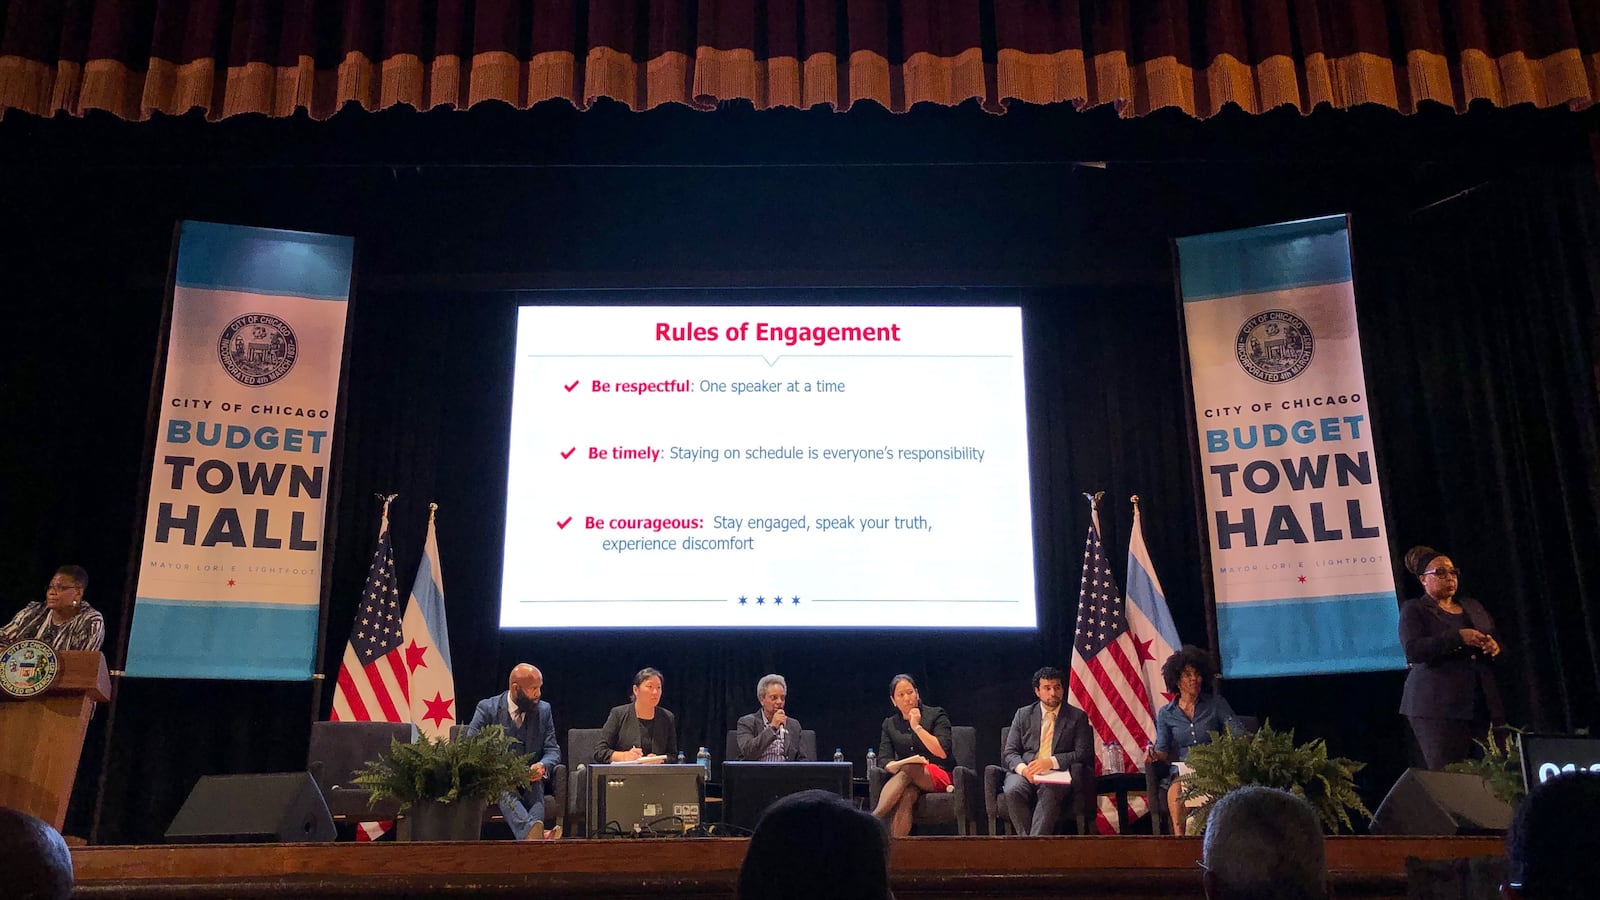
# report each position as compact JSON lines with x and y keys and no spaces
{"x":1294,"y":516}
{"x":231,"y":569}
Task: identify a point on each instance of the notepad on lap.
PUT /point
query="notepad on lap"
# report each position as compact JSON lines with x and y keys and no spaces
{"x":1059,"y":776}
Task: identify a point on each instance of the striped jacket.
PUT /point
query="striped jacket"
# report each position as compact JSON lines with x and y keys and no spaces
{"x":84,"y":631}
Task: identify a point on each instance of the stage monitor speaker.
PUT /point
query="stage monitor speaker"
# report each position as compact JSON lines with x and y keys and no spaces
{"x":1440,"y":803}
{"x":253,"y":809}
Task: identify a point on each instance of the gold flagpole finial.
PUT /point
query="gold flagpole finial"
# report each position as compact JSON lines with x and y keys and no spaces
{"x":1094,"y":499}
{"x":1134,"y":500}
{"x":432,"y":508}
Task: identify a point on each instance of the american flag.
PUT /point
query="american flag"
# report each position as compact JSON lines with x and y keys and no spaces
{"x":1106,"y":681}
{"x":372,"y":685}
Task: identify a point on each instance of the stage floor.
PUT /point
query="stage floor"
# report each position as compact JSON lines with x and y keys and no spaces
{"x":1159,"y":868}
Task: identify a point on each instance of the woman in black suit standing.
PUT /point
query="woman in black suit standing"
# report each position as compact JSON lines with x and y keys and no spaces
{"x":641,"y":728}
{"x":1450,"y":643}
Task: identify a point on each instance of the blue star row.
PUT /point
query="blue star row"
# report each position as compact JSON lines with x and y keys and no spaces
{"x":773,"y":601}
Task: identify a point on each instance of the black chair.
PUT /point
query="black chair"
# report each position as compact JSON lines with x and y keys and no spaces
{"x":808,"y":745}
{"x":580,"y":755}
{"x":556,"y":787}
{"x":994,"y":782}
{"x":1157,"y":772}
{"x":337,"y":750}
{"x":962,"y":807}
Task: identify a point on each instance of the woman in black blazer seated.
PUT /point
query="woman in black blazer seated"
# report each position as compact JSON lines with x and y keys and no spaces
{"x":916,"y":750}
{"x":640,"y":728}
{"x":1450,"y":695}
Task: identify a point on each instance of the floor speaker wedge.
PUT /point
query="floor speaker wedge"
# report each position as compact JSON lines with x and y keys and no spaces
{"x":1440,"y":803}
{"x":282,"y":807}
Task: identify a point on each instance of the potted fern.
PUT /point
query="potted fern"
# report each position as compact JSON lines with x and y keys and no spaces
{"x":1500,"y":766}
{"x":1270,"y":758}
{"x":446,"y":785}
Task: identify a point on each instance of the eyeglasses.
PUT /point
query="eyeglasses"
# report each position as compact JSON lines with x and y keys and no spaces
{"x":1444,"y":572}
{"x":62,"y":588}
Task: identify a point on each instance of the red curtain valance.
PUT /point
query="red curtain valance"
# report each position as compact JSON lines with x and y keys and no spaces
{"x":136,"y":58}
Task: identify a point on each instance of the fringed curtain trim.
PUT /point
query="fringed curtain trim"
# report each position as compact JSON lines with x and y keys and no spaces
{"x":251,"y":56}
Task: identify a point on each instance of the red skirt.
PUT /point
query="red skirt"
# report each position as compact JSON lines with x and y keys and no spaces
{"x":941,"y":778}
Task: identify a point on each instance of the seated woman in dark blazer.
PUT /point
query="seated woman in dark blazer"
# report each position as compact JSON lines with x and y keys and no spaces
{"x":640,"y":728}
{"x":1450,"y":697}
{"x":915,"y":749}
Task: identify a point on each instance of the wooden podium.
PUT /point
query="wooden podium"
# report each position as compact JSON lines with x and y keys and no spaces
{"x":41,"y":737}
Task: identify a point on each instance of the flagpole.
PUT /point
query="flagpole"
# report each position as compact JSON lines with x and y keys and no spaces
{"x":1094,"y":509}
{"x":118,"y":655}
{"x":1208,"y":587}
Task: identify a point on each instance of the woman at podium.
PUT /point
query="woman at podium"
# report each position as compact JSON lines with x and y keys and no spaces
{"x":643,"y":729}
{"x":64,"y":620}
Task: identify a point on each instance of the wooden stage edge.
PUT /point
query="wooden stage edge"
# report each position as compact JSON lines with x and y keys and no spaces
{"x":656,"y":868}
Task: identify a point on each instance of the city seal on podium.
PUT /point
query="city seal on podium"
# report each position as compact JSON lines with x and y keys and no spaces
{"x":1274,"y":346}
{"x":28,"y":668}
{"x":257,"y":349}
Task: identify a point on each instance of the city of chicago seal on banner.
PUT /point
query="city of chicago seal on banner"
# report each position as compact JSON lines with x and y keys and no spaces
{"x":1274,"y":346}
{"x":28,"y":668}
{"x":257,"y":349}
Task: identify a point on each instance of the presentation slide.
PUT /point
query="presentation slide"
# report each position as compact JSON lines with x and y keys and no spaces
{"x":768,"y":467}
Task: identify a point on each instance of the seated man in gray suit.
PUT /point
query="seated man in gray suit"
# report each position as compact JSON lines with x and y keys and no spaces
{"x":527,"y":721}
{"x":769,"y":735}
{"x":1065,"y":734}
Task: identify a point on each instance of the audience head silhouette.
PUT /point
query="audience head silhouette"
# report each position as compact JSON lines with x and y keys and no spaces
{"x":1263,"y":843}
{"x":813,"y":844}
{"x":1553,"y":847}
{"x":34,"y":862}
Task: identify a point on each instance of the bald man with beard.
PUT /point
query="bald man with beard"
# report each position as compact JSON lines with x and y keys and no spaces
{"x":529,"y":723}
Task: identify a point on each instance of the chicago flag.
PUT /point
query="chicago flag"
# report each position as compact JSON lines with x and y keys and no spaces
{"x":1149,"y":619}
{"x":425,"y":642}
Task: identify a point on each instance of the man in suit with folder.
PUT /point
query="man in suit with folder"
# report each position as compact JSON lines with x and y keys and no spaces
{"x":1035,"y":805}
{"x":769,"y":735}
{"x":529,"y":722}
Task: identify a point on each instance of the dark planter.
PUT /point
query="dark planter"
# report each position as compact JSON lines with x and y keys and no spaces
{"x":459,"y":821}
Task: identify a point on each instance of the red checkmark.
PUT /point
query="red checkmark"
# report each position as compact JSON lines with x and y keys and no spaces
{"x":563,"y":522}
{"x":569,"y":387}
{"x":568,"y":453}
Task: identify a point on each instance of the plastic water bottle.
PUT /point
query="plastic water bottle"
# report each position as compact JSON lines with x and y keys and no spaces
{"x":1114,"y":761}
{"x":680,"y":757}
{"x":838,"y":755}
{"x":872,"y":758}
{"x":703,"y":759}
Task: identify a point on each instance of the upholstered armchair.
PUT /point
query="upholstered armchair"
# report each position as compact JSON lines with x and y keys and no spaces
{"x":962,"y":806}
{"x":1081,"y":808}
{"x":337,"y":750}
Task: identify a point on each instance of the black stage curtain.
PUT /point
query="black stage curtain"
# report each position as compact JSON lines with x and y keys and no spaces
{"x":1478,"y":322}
{"x":1491,"y":453}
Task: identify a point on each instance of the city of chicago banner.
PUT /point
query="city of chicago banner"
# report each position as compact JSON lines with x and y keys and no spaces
{"x":230,"y":574}
{"x":1300,"y":563}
